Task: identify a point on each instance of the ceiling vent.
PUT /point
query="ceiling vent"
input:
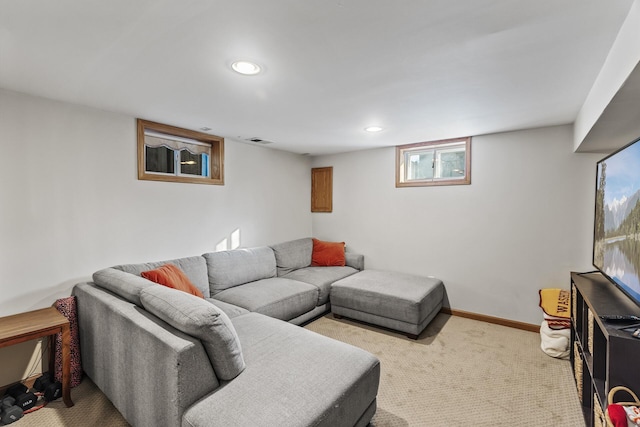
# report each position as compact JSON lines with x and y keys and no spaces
{"x":259,"y":141}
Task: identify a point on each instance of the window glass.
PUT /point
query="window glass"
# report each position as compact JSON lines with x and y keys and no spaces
{"x":194,"y":164}
{"x":159,"y":159}
{"x":450,"y":163}
{"x":419,"y":164}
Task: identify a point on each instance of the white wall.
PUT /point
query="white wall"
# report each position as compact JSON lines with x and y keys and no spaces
{"x":523,"y":224}
{"x":71,"y":203}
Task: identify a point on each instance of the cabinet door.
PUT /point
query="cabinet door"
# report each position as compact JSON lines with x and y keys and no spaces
{"x":322,"y":189}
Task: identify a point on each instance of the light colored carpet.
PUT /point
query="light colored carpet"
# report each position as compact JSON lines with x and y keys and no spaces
{"x":459,"y":372}
{"x":91,"y":408}
{"x":462,"y":372}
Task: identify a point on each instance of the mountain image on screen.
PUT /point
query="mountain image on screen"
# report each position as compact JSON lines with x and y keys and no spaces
{"x":616,"y":250}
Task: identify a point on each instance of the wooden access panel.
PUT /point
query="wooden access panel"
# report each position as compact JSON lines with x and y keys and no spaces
{"x":322,"y":189}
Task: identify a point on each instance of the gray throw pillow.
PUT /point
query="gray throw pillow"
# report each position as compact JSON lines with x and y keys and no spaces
{"x":200,"y":319}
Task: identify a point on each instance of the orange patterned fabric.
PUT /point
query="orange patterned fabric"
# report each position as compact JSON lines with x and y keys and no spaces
{"x":327,"y":254}
{"x":172,"y":277}
{"x":67,"y":307}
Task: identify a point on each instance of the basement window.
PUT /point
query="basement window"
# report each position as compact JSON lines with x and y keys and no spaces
{"x":445,"y":162}
{"x":168,"y":153}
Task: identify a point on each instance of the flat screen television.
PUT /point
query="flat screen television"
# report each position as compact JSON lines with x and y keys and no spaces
{"x":616,"y":236}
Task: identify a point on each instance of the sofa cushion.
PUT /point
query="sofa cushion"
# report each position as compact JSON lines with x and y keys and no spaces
{"x":321,"y":277}
{"x":292,"y":255}
{"x":281,"y":298}
{"x":227,"y":269}
{"x":195,"y":268}
{"x":228,"y":309}
{"x":125,"y":285}
{"x":294,"y":377}
{"x":327,"y":253}
{"x":200,"y":319}
{"x":172,"y":277}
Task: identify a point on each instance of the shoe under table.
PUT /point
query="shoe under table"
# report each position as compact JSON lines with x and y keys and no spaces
{"x":399,"y":301}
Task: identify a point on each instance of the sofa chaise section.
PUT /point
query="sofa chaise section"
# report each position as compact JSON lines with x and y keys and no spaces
{"x":294,"y":378}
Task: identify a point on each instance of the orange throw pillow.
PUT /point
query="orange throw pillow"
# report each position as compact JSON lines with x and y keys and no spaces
{"x":171,"y":276}
{"x":327,"y":254}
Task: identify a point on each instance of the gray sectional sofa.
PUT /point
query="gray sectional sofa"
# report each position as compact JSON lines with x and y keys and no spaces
{"x":234,"y":358}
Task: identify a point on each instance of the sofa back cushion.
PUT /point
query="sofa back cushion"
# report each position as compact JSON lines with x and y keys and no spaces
{"x":293,"y":255}
{"x":232,"y":268}
{"x":123,"y":284}
{"x":201,"y":319}
{"x":195,"y":268}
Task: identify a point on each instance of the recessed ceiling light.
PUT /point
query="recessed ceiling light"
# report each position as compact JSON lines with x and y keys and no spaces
{"x":373,"y":129}
{"x":246,"y":67}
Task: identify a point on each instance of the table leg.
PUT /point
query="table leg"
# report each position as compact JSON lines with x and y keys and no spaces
{"x":52,"y":355}
{"x":66,"y":365}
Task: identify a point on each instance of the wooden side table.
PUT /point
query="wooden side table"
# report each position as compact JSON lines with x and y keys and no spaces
{"x":36,"y":324}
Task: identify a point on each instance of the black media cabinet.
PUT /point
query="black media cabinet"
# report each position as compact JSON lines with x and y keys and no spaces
{"x":602,"y":355}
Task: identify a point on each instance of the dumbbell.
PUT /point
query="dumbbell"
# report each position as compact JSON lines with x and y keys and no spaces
{"x":9,"y":412}
{"x":50,"y":388}
{"x":24,"y":399}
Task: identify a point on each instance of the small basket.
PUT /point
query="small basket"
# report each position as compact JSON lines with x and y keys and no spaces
{"x":612,"y":392}
{"x":598,"y":416}
{"x":577,"y":368}
{"x":590,"y":323}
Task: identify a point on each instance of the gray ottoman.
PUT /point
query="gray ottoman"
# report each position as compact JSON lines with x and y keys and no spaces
{"x":399,"y":301}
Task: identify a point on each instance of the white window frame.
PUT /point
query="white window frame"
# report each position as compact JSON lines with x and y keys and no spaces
{"x":404,"y":153}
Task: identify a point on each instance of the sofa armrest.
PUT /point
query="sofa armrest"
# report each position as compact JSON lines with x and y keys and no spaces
{"x":150,"y":371}
{"x":354,"y":260}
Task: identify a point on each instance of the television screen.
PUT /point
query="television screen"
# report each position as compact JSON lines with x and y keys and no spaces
{"x":616,"y":242}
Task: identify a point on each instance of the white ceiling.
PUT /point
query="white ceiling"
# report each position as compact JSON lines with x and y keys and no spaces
{"x":422,"y":69}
